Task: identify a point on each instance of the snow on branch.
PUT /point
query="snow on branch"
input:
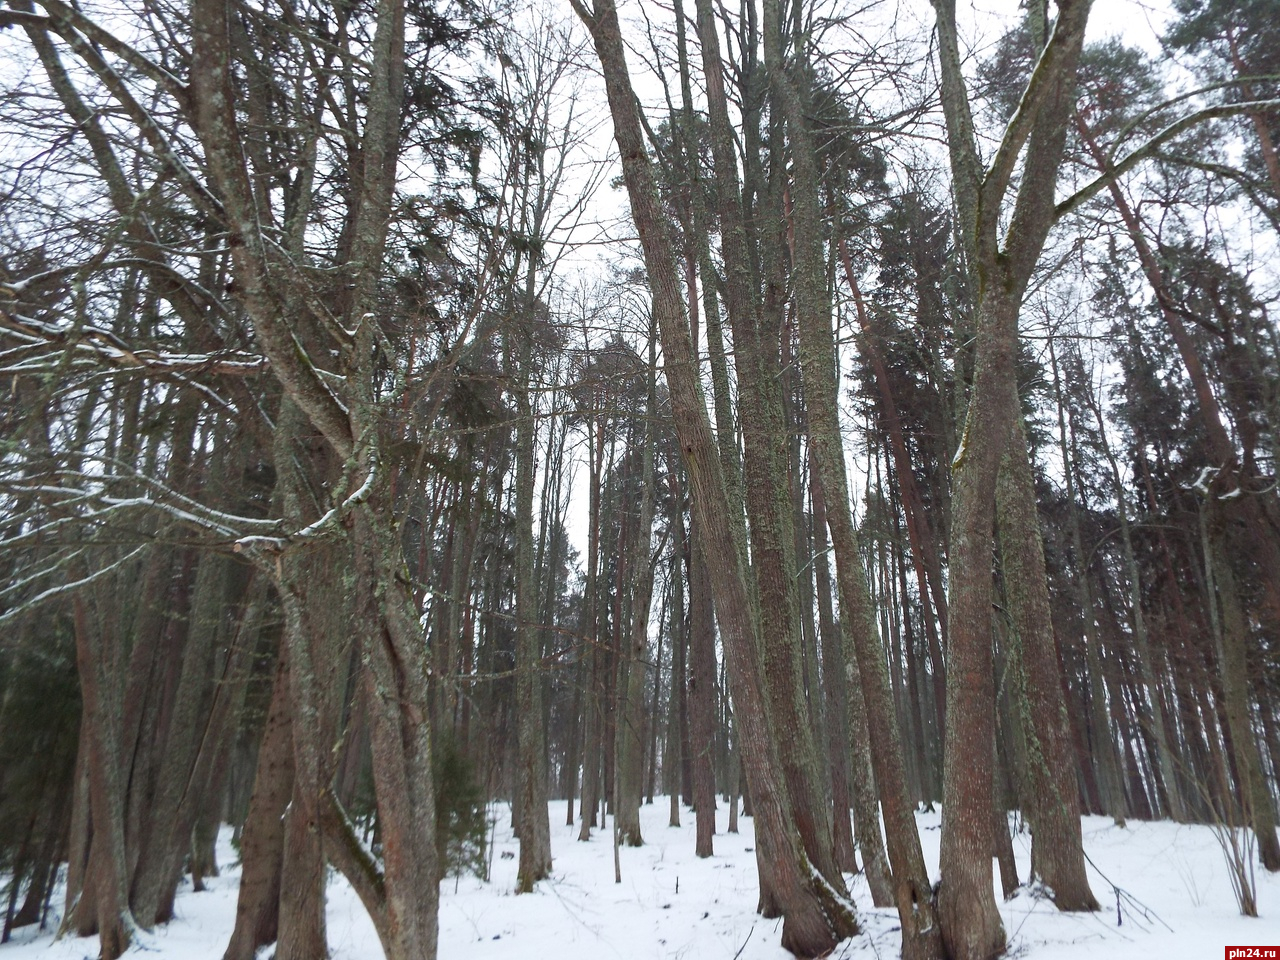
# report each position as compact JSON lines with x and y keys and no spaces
{"x":94,"y":504}
{"x":62,"y":588}
{"x":327,"y":523}
{"x":106,"y":348}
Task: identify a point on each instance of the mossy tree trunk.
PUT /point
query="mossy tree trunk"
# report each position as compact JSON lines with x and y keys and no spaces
{"x":814,"y":917}
{"x":1000,"y":269}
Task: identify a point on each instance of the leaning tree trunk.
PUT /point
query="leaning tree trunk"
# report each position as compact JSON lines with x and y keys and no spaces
{"x":925,"y":551}
{"x":766,"y":484}
{"x":912,"y":893}
{"x":815,"y":919}
{"x":401,"y":893}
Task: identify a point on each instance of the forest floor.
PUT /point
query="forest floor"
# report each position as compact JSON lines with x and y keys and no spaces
{"x":1164,"y":890}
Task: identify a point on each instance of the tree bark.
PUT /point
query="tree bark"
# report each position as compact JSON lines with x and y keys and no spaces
{"x":629,"y":749}
{"x":836,"y":691}
{"x":702,"y":692}
{"x":1255,"y":797}
{"x":912,"y":892}
{"x":591,"y":721}
{"x":766,"y":484}
{"x":533,"y":825}
{"x":971,"y":925}
{"x":1057,"y":851}
{"x":1167,"y":761}
{"x":116,"y":926}
{"x":815,"y":919}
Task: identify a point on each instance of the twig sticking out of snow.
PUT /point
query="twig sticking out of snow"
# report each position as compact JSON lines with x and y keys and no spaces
{"x":1124,"y":898}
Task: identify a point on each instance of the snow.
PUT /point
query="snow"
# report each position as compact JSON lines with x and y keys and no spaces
{"x":1174,"y":902}
{"x":1201,"y":484}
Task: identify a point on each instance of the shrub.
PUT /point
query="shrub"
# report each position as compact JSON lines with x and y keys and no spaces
{"x":461,"y":823}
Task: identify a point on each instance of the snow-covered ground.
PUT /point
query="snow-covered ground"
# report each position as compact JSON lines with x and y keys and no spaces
{"x":1164,"y":889}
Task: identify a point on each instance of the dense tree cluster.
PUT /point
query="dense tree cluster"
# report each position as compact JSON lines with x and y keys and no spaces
{"x":341,"y":494}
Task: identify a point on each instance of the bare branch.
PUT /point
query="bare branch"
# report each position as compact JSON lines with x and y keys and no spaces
{"x":1149,"y":148}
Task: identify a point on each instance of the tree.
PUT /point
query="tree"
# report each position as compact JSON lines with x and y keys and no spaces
{"x":970,"y":924}
{"x":814,"y":918}
{"x":920,"y":936}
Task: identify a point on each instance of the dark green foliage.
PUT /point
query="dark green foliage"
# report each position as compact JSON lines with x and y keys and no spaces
{"x":1243,"y":36}
{"x":1238,"y":42}
{"x":913,"y":314}
{"x":461,"y":821}
{"x":39,"y":730}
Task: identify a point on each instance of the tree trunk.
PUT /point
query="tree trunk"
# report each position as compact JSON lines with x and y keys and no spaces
{"x":912,"y":892}
{"x":116,"y":926}
{"x":1057,"y":851}
{"x":591,"y":697}
{"x":302,"y":933}
{"x":924,"y":542}
{"x":971,"y":926}
{"x":257,"y":908}
{"x":844,"y":673}
{"x":629,"y":749}
{"x":836,"y":691}
{"x":815,"y":919}
{"x":702,"y":692}
{"x":166,"y":836}
{"x":199,"y":810}
{"x":1255,"y":797}
{"x":767,"y":487}
{"x":395,"y":675}
{"x":681,"y":556}
{"x":533,"y":823}
{"x":1167,"y":761}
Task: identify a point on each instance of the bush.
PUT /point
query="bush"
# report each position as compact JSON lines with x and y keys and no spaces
{"x":461,"y":823}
